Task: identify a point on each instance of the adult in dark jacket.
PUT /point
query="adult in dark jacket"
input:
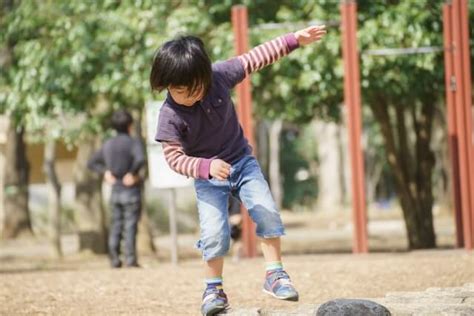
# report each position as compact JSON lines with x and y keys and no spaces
{"x":119,"y":160}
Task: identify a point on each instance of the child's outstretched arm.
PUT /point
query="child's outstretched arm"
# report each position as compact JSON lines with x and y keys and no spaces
{"x":269,"y":52}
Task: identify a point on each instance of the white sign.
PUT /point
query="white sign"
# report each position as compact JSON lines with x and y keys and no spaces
{"x":161,"y":175}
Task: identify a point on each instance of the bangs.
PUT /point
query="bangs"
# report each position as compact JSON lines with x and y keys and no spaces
{"x":182,"y":62}
{"x":190,"y":72}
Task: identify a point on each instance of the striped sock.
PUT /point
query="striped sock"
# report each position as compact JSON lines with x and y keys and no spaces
{"x":214,"y":282}
{"x":273,"y":266}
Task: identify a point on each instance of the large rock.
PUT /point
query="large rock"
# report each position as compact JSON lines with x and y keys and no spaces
{"x":352,"y":307}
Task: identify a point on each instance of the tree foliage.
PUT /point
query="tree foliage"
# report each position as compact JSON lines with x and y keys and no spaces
{"x":77,"y":61}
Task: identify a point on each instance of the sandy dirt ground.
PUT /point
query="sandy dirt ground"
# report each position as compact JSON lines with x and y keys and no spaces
{"x":70,"y":288}
{"x":83,"y":284}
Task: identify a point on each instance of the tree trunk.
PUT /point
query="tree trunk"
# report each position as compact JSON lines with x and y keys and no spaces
{"x":54,"y":196}
{"x":341,"y":137}
{"x":425,"y":162}
{"x":274,"y":163}
{"x":16,"y":214}
{"x":90,"y":214}
{"x":330,"y":188}
{"x":412,"y":169}
{"x":373,"y":172}
{"x":145,"y":243}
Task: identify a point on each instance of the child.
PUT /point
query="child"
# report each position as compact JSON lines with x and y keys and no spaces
{"x":120,"y":160}
{"x":202,"y":138}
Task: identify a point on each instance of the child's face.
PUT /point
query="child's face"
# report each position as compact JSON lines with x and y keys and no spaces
{"x":181,"y":95}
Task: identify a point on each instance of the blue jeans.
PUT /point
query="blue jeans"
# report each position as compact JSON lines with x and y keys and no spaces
{"x":246,"y":182}
{"x":126,"y":208}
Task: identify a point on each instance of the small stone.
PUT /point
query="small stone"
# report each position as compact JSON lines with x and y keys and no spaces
{"x":352,"y":307}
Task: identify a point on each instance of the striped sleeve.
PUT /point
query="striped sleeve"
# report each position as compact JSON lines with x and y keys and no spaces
{"x":268,"y":53}
{"x":197,"y":168}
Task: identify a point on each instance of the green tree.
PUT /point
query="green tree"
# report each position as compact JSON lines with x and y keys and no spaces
{"x":15,"y":171}
{"x":75,"y":63}
{"x":403,"y":93}
{"x":48,"y":89}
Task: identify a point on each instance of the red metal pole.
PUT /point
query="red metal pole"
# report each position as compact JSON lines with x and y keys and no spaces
{"x":244,"y":111}
{"x":451,"y":119}
{"x":463,"y":120}
{"x":467,"y":101}
{"x":353,"y":103}
{"x":467,"y":84}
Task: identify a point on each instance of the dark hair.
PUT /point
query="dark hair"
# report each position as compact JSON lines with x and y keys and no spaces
{"x":121,"y":121}
{"x":182,"y":61}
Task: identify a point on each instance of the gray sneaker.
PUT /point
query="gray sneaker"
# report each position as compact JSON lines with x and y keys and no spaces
{"x":278,"y":285}
{"x":214,"y":301}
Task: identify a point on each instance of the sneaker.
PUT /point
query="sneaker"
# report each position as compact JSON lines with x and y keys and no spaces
{"x":214,"y":301}
{"x":278,"y":285}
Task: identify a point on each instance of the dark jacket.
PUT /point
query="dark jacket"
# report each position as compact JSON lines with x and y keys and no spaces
{"x":120,"y":155}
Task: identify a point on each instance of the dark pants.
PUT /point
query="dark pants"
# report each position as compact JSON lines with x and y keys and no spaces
{"x":125,"y":208}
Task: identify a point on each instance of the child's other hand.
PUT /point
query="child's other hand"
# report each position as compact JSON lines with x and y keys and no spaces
{"x":310,"y":34}
{"x":109,"y":178}
{"x":129,"y":179}
{"x":219,"y":169}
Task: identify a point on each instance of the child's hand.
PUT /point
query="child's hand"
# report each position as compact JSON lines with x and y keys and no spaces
{"x":219,"y":169}
{"x":310,"y":34}
{"x":109,"y":178}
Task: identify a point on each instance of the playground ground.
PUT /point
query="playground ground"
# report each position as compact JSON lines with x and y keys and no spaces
{"x":83,"y":284}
